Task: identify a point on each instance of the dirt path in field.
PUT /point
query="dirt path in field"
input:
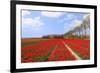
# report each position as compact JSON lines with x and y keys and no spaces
{"x":73,"y":53}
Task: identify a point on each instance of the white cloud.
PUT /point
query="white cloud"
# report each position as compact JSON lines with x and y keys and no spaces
{"x":72,"y":25}
{"x":24,"y":13}
{"x":68,"y":17}
{"x":35,"y":22}
{"x":51,"y":13}
{"x":77,"y":22}
{"x":67,"y":27}
{"x":28,"y":21}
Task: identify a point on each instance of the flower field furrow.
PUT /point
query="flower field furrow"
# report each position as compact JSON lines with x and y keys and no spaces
{"x":80,"y":50}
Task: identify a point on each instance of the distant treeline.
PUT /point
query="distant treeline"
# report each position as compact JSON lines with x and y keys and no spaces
{"x":53,"y":36}
{"x":67,"y":36}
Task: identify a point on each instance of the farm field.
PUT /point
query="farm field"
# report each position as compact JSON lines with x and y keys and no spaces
{"x":54,"y":49}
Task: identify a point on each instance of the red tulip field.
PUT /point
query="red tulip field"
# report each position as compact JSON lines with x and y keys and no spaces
{"x":54,"y":49}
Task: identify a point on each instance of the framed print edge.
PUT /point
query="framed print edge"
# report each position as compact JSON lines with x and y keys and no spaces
{"x":13,"y":36}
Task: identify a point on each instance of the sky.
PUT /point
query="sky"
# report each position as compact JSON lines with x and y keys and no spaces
{"x":36,"y":24}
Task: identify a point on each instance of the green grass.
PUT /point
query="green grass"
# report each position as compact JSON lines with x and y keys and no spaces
{"x":45,"y":58}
